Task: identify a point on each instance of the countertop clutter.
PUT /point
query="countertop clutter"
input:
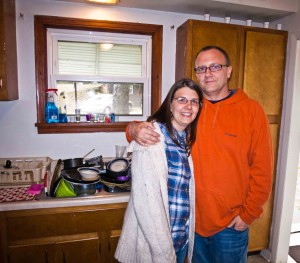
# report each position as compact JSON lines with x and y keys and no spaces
{"x":21,"y":179}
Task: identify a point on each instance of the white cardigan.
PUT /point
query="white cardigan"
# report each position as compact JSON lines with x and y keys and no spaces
{"x":146,"y":235}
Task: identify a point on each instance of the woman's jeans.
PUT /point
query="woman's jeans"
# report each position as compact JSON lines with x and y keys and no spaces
{"x":227,"y":246}
{"x":181,"y":254}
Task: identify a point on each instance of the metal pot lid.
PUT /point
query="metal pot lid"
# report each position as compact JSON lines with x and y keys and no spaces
{"x":73,"y":176}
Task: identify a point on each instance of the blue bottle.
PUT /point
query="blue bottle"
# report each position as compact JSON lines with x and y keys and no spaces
{"x":51,"y":111}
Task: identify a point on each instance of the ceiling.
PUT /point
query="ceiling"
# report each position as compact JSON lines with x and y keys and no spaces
{"x":264,"y":10}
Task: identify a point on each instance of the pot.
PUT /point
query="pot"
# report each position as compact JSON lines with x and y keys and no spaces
{"x":73,"y":163}
{"x":82,"y":189}
{"x":118,"y":168}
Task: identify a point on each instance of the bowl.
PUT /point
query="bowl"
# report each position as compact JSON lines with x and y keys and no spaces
{"x":64,"y":189}
{"x":88,"y":173}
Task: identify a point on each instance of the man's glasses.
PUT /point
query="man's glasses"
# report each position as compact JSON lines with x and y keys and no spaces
{"x":184,"y":101}
{"x":212,"y":68}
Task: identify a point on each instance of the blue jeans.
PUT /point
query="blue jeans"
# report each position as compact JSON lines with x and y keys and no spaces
{"x":181,"y":254}
{"x":227,"y":246}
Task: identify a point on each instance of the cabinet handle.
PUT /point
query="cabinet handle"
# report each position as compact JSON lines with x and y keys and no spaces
{"x":46,"y":256}
{"x":99,"y":248}
{"x":1,"y":83}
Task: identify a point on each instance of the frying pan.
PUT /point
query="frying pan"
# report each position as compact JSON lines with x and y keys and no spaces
{"x":75,"y":162}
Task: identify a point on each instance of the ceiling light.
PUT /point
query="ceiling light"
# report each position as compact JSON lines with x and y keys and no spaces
{"x":105,"y":2}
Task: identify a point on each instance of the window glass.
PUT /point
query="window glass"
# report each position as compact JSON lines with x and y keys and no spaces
{"x":101,"y":97}
{"x":102,"y":73}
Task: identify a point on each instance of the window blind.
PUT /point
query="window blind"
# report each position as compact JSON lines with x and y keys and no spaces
{"x":82,"y":58}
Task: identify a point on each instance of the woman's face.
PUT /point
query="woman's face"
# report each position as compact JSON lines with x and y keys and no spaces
{"x":184,"y":108}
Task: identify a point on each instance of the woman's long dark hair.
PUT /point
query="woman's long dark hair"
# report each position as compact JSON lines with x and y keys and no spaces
{"x":164,"y":115}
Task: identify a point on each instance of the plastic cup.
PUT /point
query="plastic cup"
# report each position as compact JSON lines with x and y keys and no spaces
{"x":120,"y":151}
{"x":77,"y":115}
{"x":266,"y":24}
{"x":101,"y":117}
{"x":88,"y":117}
{"x":63,"y":117}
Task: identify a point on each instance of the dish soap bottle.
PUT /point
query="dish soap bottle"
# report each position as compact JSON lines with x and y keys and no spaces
{"x":51,"y":110}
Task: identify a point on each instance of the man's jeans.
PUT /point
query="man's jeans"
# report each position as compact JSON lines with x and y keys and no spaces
{"x":227,"y":246}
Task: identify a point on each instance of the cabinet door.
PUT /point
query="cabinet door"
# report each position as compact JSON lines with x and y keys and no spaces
{"x":8,"y":52}
{"x":194,"y":35}
{"x":113,"y":243}
{"x":263,"y":81}
{"x":78,"y":251}
{"x":42,"y":253}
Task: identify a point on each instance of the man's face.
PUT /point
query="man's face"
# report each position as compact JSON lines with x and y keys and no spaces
{"x":213,"y":84}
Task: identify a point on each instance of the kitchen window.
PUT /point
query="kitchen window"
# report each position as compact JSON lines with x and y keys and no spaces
{"x":100,"y":73}
{"x":98,"y":67}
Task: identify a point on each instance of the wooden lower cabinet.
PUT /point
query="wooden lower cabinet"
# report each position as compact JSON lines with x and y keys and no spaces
{"x":61,"y":235}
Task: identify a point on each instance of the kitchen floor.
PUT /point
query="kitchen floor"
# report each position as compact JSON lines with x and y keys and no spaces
{"x":256,"y":259}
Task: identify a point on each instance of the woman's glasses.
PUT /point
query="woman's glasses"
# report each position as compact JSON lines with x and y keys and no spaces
{"x":184,"y":101}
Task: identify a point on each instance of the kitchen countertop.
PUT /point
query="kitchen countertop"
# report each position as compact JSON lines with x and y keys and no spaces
{"x":102,"y":197}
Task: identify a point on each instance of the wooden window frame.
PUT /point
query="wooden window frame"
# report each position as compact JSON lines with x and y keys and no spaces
{"x":41,"y":23}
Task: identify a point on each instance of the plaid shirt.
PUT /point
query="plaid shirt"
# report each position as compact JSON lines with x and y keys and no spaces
{"x":179,"y":175}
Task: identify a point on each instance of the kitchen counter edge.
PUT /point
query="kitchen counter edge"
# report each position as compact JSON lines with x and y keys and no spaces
{"x":102,"y":198}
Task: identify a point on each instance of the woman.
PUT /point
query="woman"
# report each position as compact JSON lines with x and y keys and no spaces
{"x":159,"y":220}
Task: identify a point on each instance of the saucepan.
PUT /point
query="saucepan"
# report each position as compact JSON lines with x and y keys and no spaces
{"x":118,"y":169}
{"x":75,"y":162}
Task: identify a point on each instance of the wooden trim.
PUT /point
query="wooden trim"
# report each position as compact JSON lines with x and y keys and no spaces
{"x":41,"y":23}
{"x":82,"y":127}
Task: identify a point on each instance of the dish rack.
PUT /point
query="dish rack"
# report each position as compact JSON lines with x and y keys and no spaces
{"x":24,"y":171}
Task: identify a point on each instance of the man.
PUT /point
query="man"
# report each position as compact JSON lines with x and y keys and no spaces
{"x":233,"y":161}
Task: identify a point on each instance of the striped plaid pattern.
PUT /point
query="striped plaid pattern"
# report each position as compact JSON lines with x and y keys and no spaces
{"x":179,"y":175}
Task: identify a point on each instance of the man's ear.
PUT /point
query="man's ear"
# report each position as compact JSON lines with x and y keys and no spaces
{"x":229,"y":71}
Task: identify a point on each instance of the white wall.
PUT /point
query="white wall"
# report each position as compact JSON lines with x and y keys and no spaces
{"x":18,"y":135}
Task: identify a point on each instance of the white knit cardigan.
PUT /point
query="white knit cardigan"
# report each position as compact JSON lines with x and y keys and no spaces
{"x":146,"y":235}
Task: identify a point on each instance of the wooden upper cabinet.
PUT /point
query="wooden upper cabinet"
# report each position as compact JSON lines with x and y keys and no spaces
{"x":8,"y":52}
{"x":258,"y":61}
{"x":264,"y":69}
{"x":193,"y":35}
